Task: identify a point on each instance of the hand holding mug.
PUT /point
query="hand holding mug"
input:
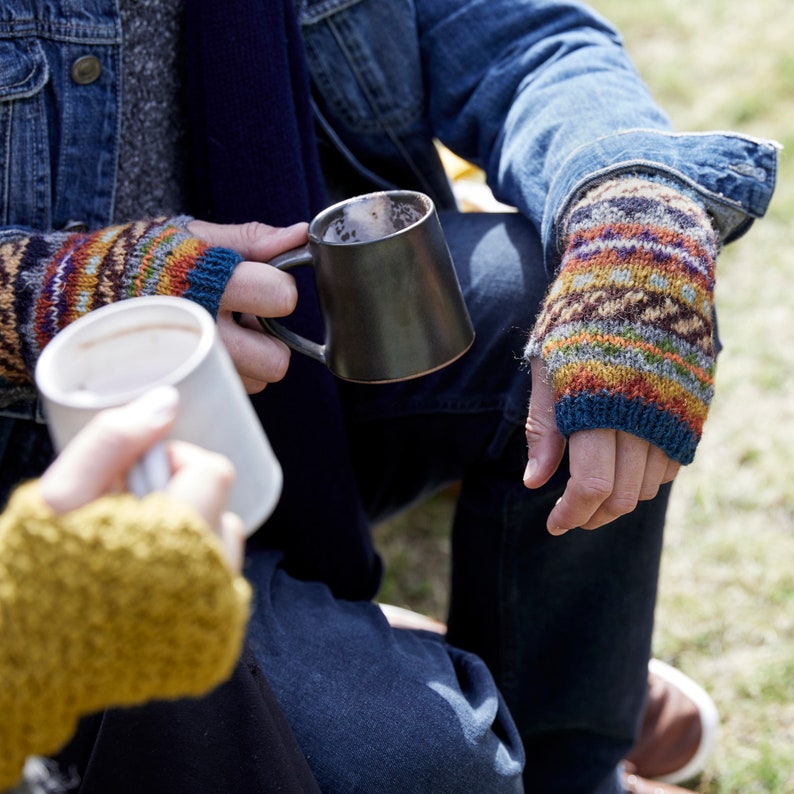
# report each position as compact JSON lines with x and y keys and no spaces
{"x":254,"y":290}
{"x":389,"y":296}
{"x":113,"y":355}
{"x":99,"y":458}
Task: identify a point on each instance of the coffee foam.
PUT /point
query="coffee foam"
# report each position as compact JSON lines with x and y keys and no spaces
{"x":371,"y":219}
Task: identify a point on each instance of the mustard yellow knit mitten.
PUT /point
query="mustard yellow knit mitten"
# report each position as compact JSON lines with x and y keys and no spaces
{"x":114,"y":604}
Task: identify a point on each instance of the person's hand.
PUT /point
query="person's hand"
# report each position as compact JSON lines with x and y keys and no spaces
{"x":98,"y":460}
{"x":610,"y":470}
{"x":254,"y":291}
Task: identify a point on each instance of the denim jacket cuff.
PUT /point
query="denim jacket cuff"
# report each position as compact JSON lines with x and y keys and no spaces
{"x":733,"y":174}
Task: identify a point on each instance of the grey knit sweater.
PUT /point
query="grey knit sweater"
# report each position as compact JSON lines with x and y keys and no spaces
{"x":153,"y":147}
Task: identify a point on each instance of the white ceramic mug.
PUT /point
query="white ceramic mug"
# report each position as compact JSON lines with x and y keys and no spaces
{"x":116,"y":353}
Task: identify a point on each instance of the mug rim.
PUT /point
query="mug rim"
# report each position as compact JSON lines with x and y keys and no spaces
{"x":46,"y":370}
{"x":323,"y":215}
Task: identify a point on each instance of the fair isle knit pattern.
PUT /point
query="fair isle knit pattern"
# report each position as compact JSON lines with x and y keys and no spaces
{"x":626,"y":329}
{"x":52,"y":279}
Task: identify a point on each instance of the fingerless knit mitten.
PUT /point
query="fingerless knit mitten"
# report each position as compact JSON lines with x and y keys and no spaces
{"x":114,"y":604}
{"x":626,"y":329}
{"x":52,"y":279}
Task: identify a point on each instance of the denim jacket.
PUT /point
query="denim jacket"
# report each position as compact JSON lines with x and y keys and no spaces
{"x":539,"y":93}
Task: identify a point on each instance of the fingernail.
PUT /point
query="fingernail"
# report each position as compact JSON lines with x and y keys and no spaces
{"x":158,"y":405}
{"x":532,"y":467}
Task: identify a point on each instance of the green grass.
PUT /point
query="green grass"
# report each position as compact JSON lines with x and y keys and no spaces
{"x":726,"y":608}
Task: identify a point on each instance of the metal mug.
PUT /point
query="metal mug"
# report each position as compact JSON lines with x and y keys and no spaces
{"x":390,"y":300}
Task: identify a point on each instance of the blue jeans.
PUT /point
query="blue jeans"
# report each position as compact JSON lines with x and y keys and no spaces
{"x":378,"y":710}
{"x":563,"y":624}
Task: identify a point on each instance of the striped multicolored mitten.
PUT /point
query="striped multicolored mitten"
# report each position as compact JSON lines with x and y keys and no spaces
{"x":626,"y":329}
{"x":52,"y":279}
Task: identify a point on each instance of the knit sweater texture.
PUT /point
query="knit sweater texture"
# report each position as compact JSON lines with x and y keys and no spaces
{"x":153,"y":140}
{"x":114,"y":604}
{"x":52,"y":279}
{"x":626,"y":330}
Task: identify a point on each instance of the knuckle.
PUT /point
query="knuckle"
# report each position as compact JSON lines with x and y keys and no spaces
{"x":540,"y":425}
{"x":285,"y":293}
{"x":222,"y":469}
{"x":252,"y":232}
{"x":595,"y":489}
{"x":109,"y":431}
{"x":532,"y":434}
{"x":620,"y":503}
{"x":253,"y":386}
{"x":648,"y":492}
{"x":280,"y":363}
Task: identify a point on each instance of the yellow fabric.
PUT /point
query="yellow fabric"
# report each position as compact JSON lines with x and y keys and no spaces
{"x":117,"y":603}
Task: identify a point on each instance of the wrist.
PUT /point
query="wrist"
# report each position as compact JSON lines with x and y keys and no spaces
{"x":626,"y":330}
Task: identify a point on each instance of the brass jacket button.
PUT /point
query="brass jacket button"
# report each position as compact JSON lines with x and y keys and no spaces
{"x":86,"y":69}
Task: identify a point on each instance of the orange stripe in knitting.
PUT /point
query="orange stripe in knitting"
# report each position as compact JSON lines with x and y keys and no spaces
{"x":611,"y":258}
{"x":684,"y":409}
{"x":148,"y":258}
{"x":642,"y":262}
{"x":12,"y":366}
{"x":577,"y":379}
{"x":615,"y":376}
{"x":628,"y":344}
{"x":181,"y":261}
{"x":47,"y":320}
{"x":82,"y":284}
{"x":642,"y":273}
{"x":638,"y":234}
{"x":678,"y":410}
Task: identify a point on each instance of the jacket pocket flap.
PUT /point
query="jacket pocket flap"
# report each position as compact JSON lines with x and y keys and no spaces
{"x":23,"y":68}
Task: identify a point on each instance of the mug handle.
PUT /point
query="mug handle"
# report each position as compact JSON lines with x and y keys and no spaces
{"x":151,"y":473}
{"x":296,"y":257}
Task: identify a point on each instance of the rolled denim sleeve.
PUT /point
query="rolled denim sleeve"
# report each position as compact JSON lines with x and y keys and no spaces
{"x":543,"y":97}
{"x":733,"y":174}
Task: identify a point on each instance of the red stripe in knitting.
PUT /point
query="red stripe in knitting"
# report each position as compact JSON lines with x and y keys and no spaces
{"x":50,"y":305}
{"x":636,"y":234}
{"x":584,"y":383}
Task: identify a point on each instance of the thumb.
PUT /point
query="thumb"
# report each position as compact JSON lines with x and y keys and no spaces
{"x":545,"y":443}
{"x":106,"y":448}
